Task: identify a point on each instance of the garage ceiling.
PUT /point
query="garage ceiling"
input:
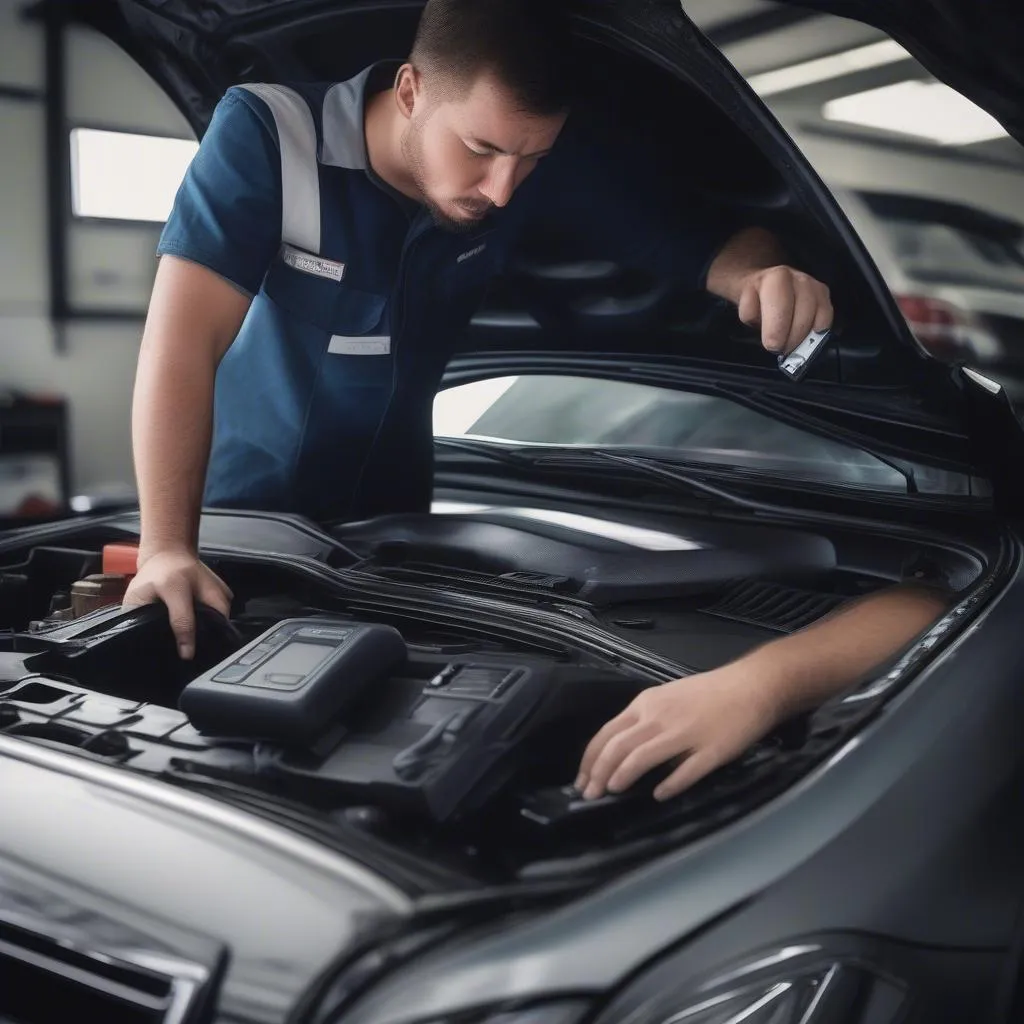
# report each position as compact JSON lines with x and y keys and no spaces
{"x":759,"y":37}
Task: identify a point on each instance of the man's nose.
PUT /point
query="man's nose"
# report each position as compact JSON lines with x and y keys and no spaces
{"x":500,"y":182}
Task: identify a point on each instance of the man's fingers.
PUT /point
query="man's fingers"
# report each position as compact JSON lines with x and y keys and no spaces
{"x":825,"y":315}
{"x":690,"y":771}
{"x":777,"y":308}
{"x":615,"y":751}
{"x":217,"y":597}
{"x":139,"y":595}
{"x":642,"y":759}
{"x":804,"y":312}
{"x":594,"y":748}
{"x":223,"y":587}
{"x":178,"y":598}
{"x":749,"y":309}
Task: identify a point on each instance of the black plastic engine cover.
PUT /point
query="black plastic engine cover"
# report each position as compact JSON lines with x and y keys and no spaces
{"x":600,"y":560}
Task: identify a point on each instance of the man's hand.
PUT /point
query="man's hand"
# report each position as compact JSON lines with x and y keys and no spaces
{"x":786,"y":304}
{"x":194,"y":316}
{"x":179,"y":579}
{"x":710,"y":718}
{"x":707,"y":720}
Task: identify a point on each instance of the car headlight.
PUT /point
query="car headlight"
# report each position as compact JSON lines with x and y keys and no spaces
{"x":557,"y":1011}
{"x":825,"y":996}
{"x":803,"y":983}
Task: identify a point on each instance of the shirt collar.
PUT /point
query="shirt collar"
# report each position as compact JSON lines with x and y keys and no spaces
{"x":344,"y":137}
{"x":343,"y":119}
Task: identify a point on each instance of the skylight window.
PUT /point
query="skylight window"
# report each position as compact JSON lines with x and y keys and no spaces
{"x":823,"y":69}
{"x":927,"y":110}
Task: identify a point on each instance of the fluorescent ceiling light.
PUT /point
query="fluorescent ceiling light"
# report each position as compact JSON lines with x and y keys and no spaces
{"x":123,"y":176}
{"x":874,"y":55}
{"x":928,"y":110}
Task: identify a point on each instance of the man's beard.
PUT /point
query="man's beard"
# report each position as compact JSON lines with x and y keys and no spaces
{"x":412,"y":151}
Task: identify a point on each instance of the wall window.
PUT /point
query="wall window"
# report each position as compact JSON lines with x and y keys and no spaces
{"x":124,"y":176}
{"x":118,"y":148}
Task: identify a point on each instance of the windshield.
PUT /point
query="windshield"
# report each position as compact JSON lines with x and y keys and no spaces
{"x":582,"y":411}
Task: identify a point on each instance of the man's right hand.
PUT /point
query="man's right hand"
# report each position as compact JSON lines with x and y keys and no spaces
{"x":193,"y":318}
{"x":179,"y":579}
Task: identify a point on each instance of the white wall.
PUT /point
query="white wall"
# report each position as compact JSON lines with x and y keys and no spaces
{"x":108,"y":266}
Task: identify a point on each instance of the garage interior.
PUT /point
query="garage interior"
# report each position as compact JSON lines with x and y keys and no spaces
{"x":92,"y":151}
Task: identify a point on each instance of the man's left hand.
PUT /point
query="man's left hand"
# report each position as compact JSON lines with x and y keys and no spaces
{"x":707,"y":719}
{"x":787,"y":305}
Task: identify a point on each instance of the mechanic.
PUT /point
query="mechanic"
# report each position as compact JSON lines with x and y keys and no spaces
{"x":703,"y":721}
{"x":330,"y":242}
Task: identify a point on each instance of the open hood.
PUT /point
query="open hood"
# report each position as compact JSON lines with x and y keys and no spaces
{"x":559,"y":310}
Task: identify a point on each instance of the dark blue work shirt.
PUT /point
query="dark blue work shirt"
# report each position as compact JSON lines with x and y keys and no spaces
{"x":323,"y":403}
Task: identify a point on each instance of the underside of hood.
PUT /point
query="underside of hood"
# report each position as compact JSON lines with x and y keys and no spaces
{"x":649,"y":67}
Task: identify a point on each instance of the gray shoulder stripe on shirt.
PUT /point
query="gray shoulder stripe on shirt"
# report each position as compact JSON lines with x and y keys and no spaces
{"x":300,"y":177}
{"x":344,"y":140}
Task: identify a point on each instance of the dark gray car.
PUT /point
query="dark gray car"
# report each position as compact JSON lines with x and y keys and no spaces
{"x":423,"y":859}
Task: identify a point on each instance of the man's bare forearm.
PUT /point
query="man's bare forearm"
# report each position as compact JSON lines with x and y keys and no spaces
{"x":171,"y":428}
{"x":785,"y":303}
{"x":710,"y":718}
{"x":747,"y":252}
{"x":801,"y":671}
{"x":193,"y":318}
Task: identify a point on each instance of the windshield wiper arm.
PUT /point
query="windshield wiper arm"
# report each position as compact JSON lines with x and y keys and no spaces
{"x":528,"y":457}
{"x":653,"y":468}
{"x":514,"y":456}
{"x":538,"y":458}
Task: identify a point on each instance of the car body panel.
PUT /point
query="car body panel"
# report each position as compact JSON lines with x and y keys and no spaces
{"x":285,"y":907}
{"x":907,"y":832}
{"x":866,"y":818}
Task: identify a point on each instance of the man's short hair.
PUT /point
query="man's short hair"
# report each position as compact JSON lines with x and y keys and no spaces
{"x":523,"y":43}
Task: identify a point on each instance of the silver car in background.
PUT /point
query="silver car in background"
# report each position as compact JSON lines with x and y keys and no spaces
{"x":957,"y":273}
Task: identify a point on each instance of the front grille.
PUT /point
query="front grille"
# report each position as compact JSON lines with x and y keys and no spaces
{"x":45,"y":978}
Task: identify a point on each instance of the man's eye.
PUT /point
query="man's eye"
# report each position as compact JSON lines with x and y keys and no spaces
{"x":476,"y":152}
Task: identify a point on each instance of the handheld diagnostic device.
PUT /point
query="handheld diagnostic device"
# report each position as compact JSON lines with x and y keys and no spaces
{"x":291,"y":683}
{"x":798,"y":362}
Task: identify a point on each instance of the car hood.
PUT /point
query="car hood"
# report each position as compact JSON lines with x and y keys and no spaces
{"x":877,"y":389}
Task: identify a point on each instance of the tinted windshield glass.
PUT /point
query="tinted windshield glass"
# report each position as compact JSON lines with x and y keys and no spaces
{"x":562,"y":410}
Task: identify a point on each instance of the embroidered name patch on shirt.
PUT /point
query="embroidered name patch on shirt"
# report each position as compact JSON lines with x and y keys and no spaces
{"x":307,"y":263}
{"x":375,"y":346}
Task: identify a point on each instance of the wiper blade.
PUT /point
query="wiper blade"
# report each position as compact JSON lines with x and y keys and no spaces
{"x":527,"y":457}
{"x":669,"y":471}
{"x":657,"y":470}
{"x":514,"y":455}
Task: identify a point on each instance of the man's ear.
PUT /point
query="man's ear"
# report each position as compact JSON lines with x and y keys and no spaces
{"x":408,"y":89}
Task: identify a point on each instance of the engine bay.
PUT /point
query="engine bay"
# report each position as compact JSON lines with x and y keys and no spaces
{"x":426,"y":688}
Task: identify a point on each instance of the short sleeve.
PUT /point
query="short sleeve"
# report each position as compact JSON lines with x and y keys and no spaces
{"x":227,"y":213}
